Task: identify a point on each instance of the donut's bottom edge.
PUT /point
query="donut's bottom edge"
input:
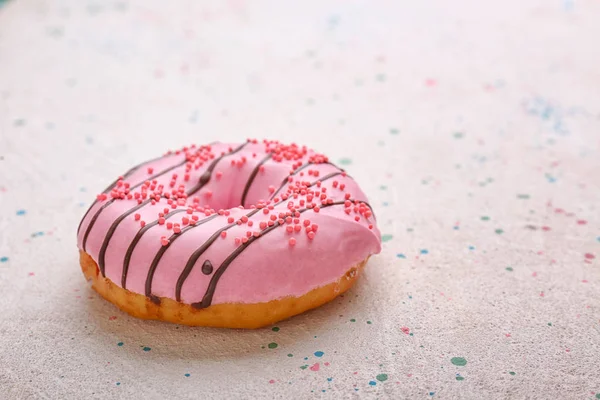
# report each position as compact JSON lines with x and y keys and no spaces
{"x":226,"y":315}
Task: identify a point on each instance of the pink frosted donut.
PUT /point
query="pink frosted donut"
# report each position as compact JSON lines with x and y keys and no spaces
{"x":237,"y":235}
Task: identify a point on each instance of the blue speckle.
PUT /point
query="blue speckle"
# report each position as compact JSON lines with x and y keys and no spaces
{"x":146,"y":348}
{"x":329,"y":379}
{"x":306,"y":358}
{"x":82,"y":189}
{"x":187,"y":375}
{"x":471,"y":247}
{"x":4,"y":259}
{"x":456,"y":228}
{"x":598,"y":238}
{"x":410,"y":297}
{"x":372,"y":383}
{"x":118,"y":383}
{"x":323,"y":390}
{"x":89,"y":140}
{"x":120,"y":344}
{"x":400,"y":255}
{"x":21,"y":212}
{"x":319,"y":354}
{"x":356,"y":389}
{"x":424,"y":251}
{"x":385,"y":204}
{"x":550,"y":178}
{"x":431,"y":393}
{"x":81,"y":204}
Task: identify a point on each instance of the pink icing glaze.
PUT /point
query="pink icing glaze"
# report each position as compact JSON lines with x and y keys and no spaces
{"x":269,"y":267}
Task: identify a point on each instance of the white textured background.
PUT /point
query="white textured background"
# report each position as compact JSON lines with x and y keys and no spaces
{"x":474,"y":127}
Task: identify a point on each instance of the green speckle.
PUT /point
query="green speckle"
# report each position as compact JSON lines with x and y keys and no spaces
{"x":509,"y":269}
{"x":394,"y":131}
{"x":19,"y":122}
{"x":460,"y":361}
{"x":381,"y":77}
{"x":290,"y":355}
{"x":186,"y":375}
{"x":598,"y":395}
{"x":272,"y":345}
{"x":275,"y":329}
{"x":352,"y":320}
{"x":382,"y":377}
{"x":512,"y":373}
{"x":499,"y":231}
{"x":386,"y":238}
{"x":458,"y":135}
{"x":345,"y":161}
{"x":303,"y":366}
{"x":460,"y":378}
{"x":120,"y":344}
{"x":485,"y":218}
{"x":523,"y":196}
{"x":369,"y":322}
{"x":409,"y":229}
{"x":383,"y":187}
{"x":146,"y":348}
{"x":549,"y":323}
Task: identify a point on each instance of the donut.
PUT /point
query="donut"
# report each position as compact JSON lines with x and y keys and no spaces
{"x":228,"y":235}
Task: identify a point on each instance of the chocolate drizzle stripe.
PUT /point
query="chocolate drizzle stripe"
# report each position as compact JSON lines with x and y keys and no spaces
{"x":109,"y":187}
{"x":329,"y":176}
{"x":135,"y":241}
{"x":196,"y":254}
{"x":163,"y":249}
{"x":210,"y":291}
{"x":252,"y":176}
{"x":109,"y":202}
{"x":205,"y":178}
{"x":117,"y":221}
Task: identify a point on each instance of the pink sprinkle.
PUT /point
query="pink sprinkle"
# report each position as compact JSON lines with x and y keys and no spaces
{"x":137,"y":217}
{"x":311,"y":235}
{"x":164,"y":241}
{"x":142,"y":223}
{"x":224,"y":234}
{"x":161,"y":221}
{"x":150,"y":170}
{"x":315,"y":367}
{"x":218,"y":174}
{"x":293,"y":243}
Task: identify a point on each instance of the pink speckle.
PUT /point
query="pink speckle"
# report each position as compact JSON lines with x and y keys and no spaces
{"x":541,"y":294}
{"x":581,"y":222}
{"x":507,"y":335}
{"x":584,"y":281}
{"x":430,"y":82}
{"x":355,"y":373}
{"x":534,"y":274}
{"x":272,"y":381}
{"x":112,"y":317}
{"x":589,"y":256}
{"x":409,"y":375}
{"x":546,"y":228}
{"x":31,"y":274}
{"x":568,"y":350}
{"x":2,"y":189}
{"x":405,"y":330}
{"x":158,"y":73}
{"x":327,"y":364}
{"x":315,"y":367}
